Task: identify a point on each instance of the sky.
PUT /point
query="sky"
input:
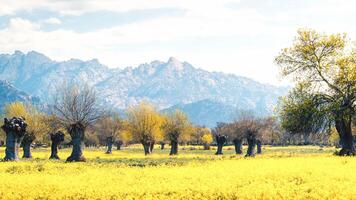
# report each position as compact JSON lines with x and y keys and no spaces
{"x":233,"y":36}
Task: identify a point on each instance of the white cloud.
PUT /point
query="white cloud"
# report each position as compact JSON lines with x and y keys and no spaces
{"x":258,"y":33}
{"x":52,"y":20}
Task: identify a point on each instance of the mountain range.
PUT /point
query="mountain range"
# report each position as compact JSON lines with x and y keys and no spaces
{"x":207,"y":97}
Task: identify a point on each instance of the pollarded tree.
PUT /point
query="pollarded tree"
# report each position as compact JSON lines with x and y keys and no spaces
{"x":35,"y":120}
{"x":55,"y":133}
{"x":144,"y":124}
{"x":15,"y":129}
{"x":236,"y":135}
{"x":326,"y":67}
{"x":250,"y":125}
{"x":110,"y":127}
{"x":76,"y":107}
{"x":176,"y":127}
{"x":220,"y":132}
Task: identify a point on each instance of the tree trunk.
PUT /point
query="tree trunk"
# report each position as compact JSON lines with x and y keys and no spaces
{"x":346,"y":139}
{"x":259,"y":146}
{"x":77,"y":134}
{"x":118,"y":145}
{"x":147,"y":147}
{"x":162,"y":145}
{"x":109,"y":141}
{"x":174,"y":148}
{"x":152,"y":145}
{"x":26,"y":145}
{"x":206,"y":146}
{"x":238,"y":146}
{"x":13,"y":142}
{"x":251,"y":141}
{"x":220,"y":140}
{"x":56,"y":139}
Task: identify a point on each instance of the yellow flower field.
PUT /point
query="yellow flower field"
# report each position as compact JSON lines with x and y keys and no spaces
{"x":280,"y":173}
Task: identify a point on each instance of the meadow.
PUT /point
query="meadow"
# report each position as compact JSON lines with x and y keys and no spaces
{"x":295,"y":172}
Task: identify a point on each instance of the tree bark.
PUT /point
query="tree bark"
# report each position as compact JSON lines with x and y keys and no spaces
{"x":26,"y":145}
{"x":206,"y":146}
{"x":147,"y":147}
{"x":162,"y":145}
{"x":118,"y":145}
{"x":344,"y":128}
{"x":238,"y":146}
{"x":77,"y":134}
{"x":152,"y":145}
{"x":13,"y":142}
{"x":174,"y":148}
{"x":56,"y":139}
{"x":220,"y":140}
{"x":109,"y":142}
{"x":251,"y":141}
{"x":259,"y":146}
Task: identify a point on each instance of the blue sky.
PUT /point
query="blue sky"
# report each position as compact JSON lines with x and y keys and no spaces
{"x":233,"y":36}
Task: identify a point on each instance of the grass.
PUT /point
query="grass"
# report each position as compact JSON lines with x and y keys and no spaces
{"x":280,"y":173}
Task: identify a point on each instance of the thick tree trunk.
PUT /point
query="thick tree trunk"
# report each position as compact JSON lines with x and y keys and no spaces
{"x":147,"y":147}
{"x":56,"y":139}
{"x":13,"y":142}
{"x":152,"y":145}
{"x":220,"y":140}
{"x":26,"y":150}
{"x":219,"y":150}
{"x":162,"y":145}
{"x":174,"y":148}
{"x":251,"y":141}
{"x":238,"y":146}
{"x":77,"y":134}
{"x":109,"y":141}
{"x":26,"y":145}
{"x":54,"y":151}
{"x":346,"y":139}
{"x":118,"y":145}
{"x":259,"y":146}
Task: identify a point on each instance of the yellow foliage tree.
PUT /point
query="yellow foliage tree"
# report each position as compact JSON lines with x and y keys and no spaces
{"x":176,"y":128}
{"x":144,"y":125}
{"x":202,"y":135}
{"x":35,"y":120}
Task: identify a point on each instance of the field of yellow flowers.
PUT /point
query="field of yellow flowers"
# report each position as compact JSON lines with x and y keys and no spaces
{"x":280,"y":173}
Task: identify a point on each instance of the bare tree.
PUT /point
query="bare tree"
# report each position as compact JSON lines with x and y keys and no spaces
{"x":76,"y":107}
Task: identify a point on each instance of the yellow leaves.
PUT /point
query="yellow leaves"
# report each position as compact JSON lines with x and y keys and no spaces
{"x":176,"y":126}
{"x":35,"y":120}
{"x":145,"y":123}
{"x":207,"y":138}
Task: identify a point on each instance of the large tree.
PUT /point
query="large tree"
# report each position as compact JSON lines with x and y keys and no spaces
{"x":325,"y":66}
{"x":35,"y":120}
{"x":145,"y":125}
{"x":176,"y":127}
{"x":15,"y":129}
{"x":76,"y":107}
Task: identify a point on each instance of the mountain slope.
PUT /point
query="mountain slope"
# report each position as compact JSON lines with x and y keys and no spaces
{"x":164,"y":84}
{"x":206,"y":112}
{"x":8,"y":94}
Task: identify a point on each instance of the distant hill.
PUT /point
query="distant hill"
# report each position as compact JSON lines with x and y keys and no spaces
{"x":164,"y":84}
{"x":8,"y":94}
{"x":206,"y":112}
